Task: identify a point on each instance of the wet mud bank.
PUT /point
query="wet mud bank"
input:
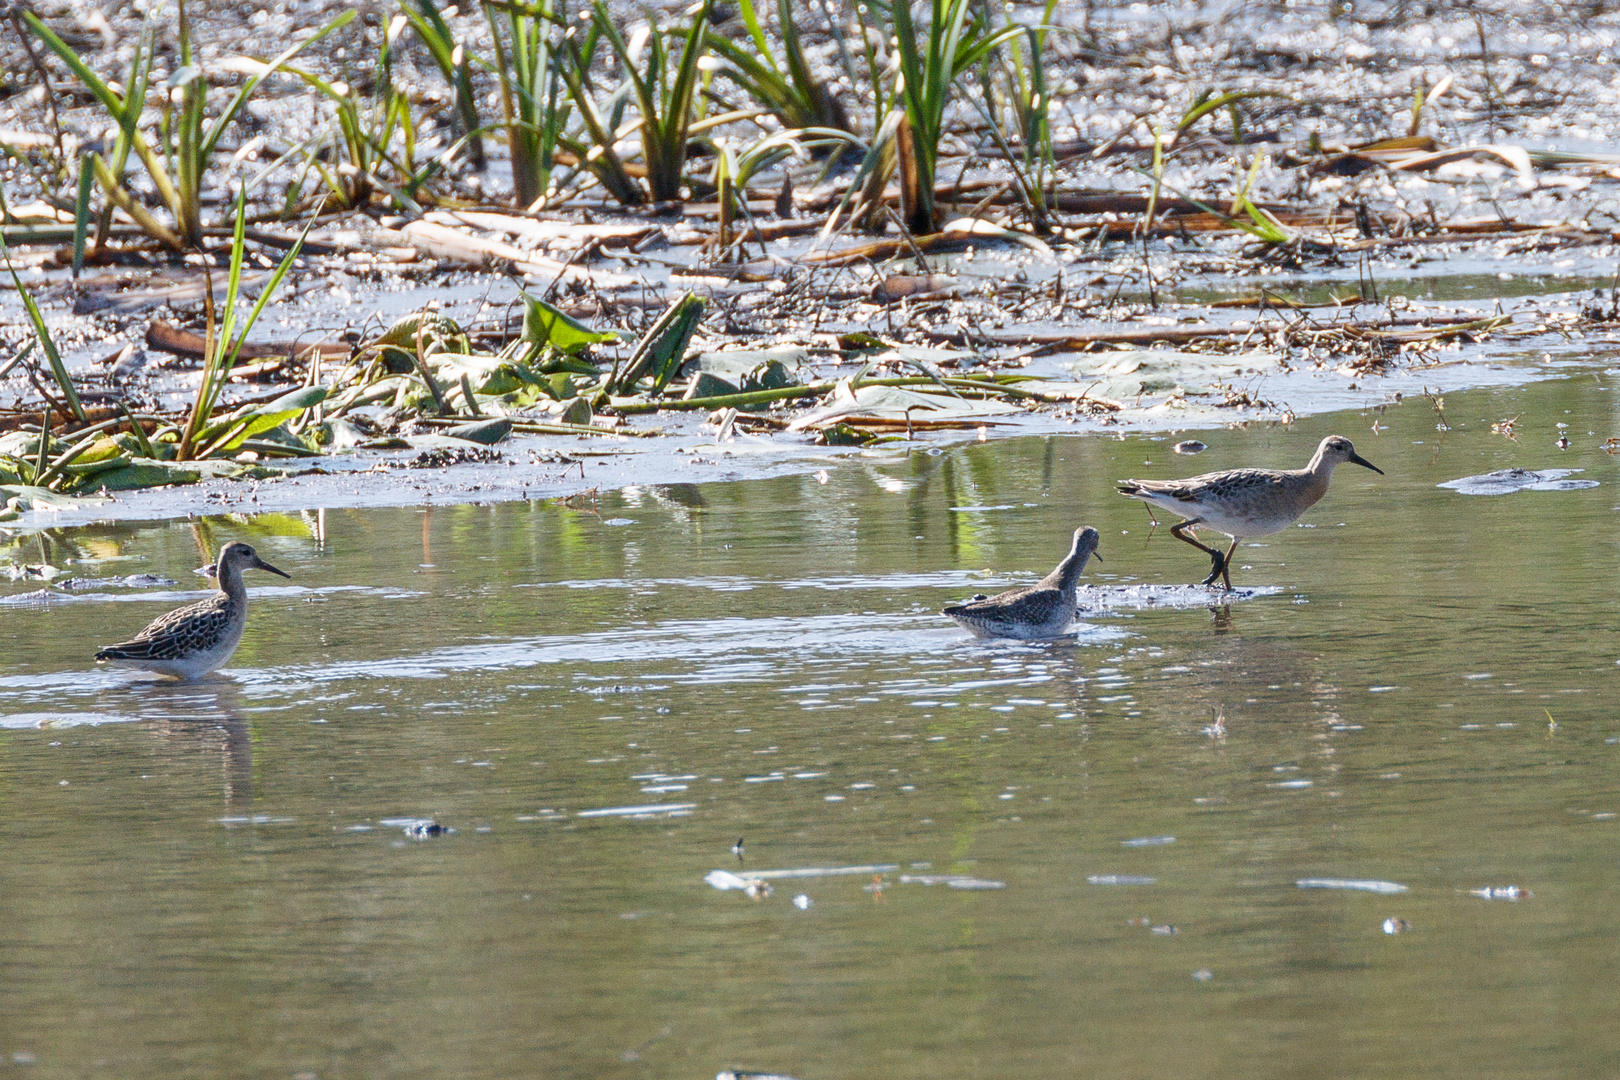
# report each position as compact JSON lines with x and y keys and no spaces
{"x":1161,"y":391}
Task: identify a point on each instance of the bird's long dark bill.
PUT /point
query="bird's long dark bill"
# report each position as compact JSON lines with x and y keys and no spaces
{"x":1095,"y":554}
{"x":1364,"y":463}
{"x":262,"y":565}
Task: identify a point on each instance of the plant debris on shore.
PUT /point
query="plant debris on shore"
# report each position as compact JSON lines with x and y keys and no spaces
{"x":773,"y":216}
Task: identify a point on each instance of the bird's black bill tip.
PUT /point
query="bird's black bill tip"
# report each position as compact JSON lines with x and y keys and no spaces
{"x":1095,"y":554}
{"x":262,"y":565}
{"x":1364,"y":463}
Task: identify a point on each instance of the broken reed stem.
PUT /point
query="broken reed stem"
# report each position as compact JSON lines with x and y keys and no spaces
{"x":27,"y":40}
{"x":468,"y":399}
{"x":427,"y":376}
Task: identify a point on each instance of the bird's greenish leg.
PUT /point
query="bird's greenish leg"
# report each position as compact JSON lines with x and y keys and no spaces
{"x":1218,"y":563}
{"x":1226,"y":565}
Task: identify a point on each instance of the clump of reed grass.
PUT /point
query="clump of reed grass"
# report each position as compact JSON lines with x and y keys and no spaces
{"x":450,"y":57}
{"x":185,"y":139}
{"x":663,"y":84}
{"x":535,"y":110}
{"x":1022,"y":85}
{"x":929,"y":68}
{"x":790,"y":90}
{"x":202,"y":436}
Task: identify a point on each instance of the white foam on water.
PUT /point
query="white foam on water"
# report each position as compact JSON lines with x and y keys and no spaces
{"x":1352,"y":884}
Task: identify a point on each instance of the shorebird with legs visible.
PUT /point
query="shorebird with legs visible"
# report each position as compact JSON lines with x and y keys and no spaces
{"x":1244,"y":502}
{"x":194,"y":640}
{"x":1042,"y":610}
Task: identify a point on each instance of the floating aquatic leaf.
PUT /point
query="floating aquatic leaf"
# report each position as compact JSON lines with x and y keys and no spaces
{"x":133,"y":581}
{"x":1507,"y":481}
{"x":38,"y":498}
{"x":485,"y":432}
{"x":894,"y":405}
{"x":734,"y":371}
{"x":252,"y":420}
{"x":38,"y":596}
{"x":1129,"y":374}
{"x":147,"y":472}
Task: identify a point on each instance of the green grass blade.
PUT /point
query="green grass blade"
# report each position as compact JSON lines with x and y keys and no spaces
{"x":206,"y":148}
{"x":1208,"y":102}
{"x":59,"y":370}
{"x":81,"y":213}
{"x":81,"y":71}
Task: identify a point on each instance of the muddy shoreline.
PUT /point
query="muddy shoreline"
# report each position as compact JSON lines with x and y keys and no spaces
{"x":1211,"y":217}
{"x":578,"y":468}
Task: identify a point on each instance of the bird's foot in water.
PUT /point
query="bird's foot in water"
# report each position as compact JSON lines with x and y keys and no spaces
{"x":1218,"y":570}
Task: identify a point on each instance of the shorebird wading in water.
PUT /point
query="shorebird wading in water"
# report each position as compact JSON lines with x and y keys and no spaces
{"x":1042,"y":610}
{"x":1244,"y":502}
{"x":194,"y":640}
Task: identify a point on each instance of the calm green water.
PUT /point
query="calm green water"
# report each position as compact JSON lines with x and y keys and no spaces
{"x":214,"y":880}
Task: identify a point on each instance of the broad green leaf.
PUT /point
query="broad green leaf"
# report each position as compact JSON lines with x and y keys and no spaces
{"x":245,"y":423}
{"x":546,"y":325}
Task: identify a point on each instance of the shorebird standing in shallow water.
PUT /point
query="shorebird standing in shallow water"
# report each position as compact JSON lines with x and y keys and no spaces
{"x":1042,"y":610}
{"x":1244,"y":502}
{"x":194,"y":640}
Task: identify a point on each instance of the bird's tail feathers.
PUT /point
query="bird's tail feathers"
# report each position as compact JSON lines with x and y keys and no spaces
{"x":129,"y":650}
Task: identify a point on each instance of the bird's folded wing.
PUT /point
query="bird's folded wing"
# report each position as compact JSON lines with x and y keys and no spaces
{"x":172,"y":633}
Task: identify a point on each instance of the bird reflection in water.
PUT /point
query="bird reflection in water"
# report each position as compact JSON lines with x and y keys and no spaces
{"x":202,"y":720}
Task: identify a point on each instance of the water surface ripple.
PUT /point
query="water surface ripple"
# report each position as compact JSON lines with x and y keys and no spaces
{"x":460,"y":804}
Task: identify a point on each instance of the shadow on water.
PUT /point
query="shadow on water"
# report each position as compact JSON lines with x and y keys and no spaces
{"x":1406,"y":702}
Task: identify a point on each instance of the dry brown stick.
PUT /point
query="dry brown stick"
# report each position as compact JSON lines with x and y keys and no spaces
{"x":166,"y":337}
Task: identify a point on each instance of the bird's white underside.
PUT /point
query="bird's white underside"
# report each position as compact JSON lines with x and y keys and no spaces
{"x":194,"y":664}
